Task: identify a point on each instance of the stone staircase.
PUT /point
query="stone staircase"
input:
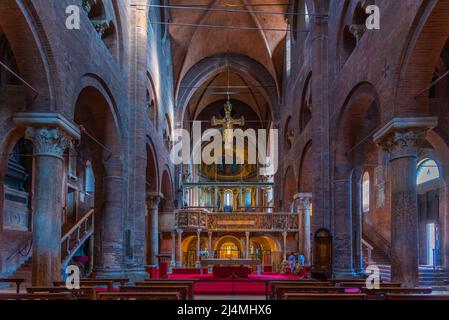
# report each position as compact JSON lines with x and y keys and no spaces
{"x":24,"y":272}
{"x":70,"y":243}
{"x":427,"y":276}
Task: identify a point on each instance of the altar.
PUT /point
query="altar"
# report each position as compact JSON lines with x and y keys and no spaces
{"x":224,"y":268}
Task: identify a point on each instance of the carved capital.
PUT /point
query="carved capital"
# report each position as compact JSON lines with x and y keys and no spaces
{"x":48,"y":141}
{"x":304,"y":200}
{"x":153,"y":200}
{"x":402,"y":137}
{"x":400,"y":144}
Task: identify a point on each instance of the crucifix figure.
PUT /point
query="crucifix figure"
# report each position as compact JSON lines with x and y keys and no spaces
{"x":228,"y":124}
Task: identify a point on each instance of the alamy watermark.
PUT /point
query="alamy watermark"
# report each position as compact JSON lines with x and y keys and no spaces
{"x":215,"y":147}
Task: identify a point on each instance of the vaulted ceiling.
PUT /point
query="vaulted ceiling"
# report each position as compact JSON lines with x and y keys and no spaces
{"x":192,"y":41}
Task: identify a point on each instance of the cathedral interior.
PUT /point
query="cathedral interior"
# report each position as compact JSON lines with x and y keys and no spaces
{"x":93,"y":94}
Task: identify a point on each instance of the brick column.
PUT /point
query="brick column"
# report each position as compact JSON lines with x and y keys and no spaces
{"x":342,"y":221}
{"x":402,"y":138}
{"x":51,"y":135}
{"x":109,"y":260}
{"x":153,"y":200}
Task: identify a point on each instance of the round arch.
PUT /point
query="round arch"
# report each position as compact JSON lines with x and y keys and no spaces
{"x":421,"y":55}
{"x":305,"y":177}
{"x":209,"y":67}
{"x":152,"y":169}
{"x":219,"y":242}
{"x":30,"y":41}
{"x":290,"y":186}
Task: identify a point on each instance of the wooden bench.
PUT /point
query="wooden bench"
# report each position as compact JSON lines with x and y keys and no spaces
{"x":109,"y":284}
{"x":84,"y":293}
{"x":190,"y":283}
{"x":363,"y":285}
{"x":138,"y":296}
{"x":326,"y":296}
{"x":390,"y":296}
{"x":395,"y":290}
{"x":17,"y":282}
{"x":181,"y":289}
{"x":282,"y":290}
{"x":119,"y":281}
{"x":273,"y":286}
{"x":37,"y":296}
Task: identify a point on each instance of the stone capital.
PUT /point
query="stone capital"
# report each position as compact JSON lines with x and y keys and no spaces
{"x":48,"y":120}
{"x":49,"y":141}
{"x":402,"y":137}
{"x":305,"y":199}
{"x":50,"y":132}
{"x":153,"y":199}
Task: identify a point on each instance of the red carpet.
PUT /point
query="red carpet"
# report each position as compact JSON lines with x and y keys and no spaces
{"x":252,"y":286}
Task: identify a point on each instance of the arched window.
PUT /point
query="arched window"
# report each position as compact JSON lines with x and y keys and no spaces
{"x":427,"y":171}
{"x":288,"y":54}
{"x":90,"y":179}
{"x":228,"y":200}
{"x":366,"y":192}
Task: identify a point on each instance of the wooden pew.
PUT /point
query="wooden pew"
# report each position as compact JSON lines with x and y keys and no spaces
{"x":109,"y":284}
{"x":273,"y":285}
{"x":181,"y":289}
{"x":37,"y":296}
{"x":17,"y":282}
{"x":390,"y":296}
{"x":119,"y":281}
{"x":325,"y":296}
{"x":363,"y":285}
{"x":282,"y":290}
{"x":395,"y":290}
{"x":138,"y":295}
{"x":190,"y":283}
{"x":84,"y":293}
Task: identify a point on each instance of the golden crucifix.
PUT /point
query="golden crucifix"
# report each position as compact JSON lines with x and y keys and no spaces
{"x":228,"y":124}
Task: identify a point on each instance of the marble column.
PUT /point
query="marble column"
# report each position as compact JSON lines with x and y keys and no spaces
{"x":247,"y":234}
{"x":402,"y":138}
{"x":284,"y":247}
{"x":173,"y":251}
{"x":179,"y":262}
{"x":153,"y":200}
{"x":211,"y":250}
{"x":198,"y":248}
{"x":304,"y":206}
{"x":49,"y":146}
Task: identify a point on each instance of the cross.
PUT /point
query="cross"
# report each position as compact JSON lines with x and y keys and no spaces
{"x":228,"y":123}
